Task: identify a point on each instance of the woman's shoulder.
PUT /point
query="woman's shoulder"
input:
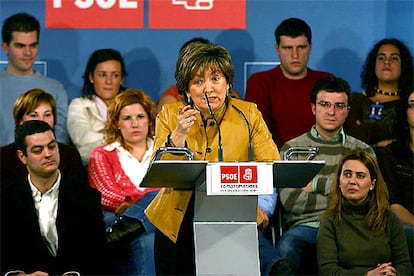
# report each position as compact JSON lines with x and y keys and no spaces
{"x":104,"y":149}
{"x":242,"y":104}
{"x":393,"y":219}
{"x":80,"y":101}
{"x":170,"y":109}
{"x":359,"y":96}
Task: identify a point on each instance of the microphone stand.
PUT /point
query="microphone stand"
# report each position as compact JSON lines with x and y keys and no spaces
{"x":220,"y":145}
{"x":250,"y":147}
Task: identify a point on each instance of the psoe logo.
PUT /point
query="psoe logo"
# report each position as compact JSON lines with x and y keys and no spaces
{"x":248,"y":174}
{"x":104,"y":4}
{"x":197,"y":14}
{"x":229,"y":174}
{"x":238,"y":174}
{"x":198,"y":4}
{"x":100,"y":14}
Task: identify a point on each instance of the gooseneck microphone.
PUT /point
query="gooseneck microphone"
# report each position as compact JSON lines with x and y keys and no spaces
{"x":250,"y":147}
{"x":220,"y":145}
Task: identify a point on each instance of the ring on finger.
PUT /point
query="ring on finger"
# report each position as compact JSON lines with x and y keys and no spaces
{"x":190,"y":120}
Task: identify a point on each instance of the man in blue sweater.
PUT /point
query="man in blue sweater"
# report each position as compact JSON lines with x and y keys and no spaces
{"x":20,"y":42}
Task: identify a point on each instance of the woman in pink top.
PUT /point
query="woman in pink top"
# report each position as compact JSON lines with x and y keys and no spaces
{"x":117,"y":168}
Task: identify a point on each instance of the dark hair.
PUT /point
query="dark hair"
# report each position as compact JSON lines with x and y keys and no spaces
{"x":378,"y":197}
{"x":200,"y":56}
{"x":293,"y":27}
{"x":97,"y":57}
{"x":331,"y":84}
{"x":401,"y":126}
{"x":195,"y":39}
{"x":29,"y":128}
{"x":19,"y":22}
{"x":369,"y":80}
{"x":128,"y":97}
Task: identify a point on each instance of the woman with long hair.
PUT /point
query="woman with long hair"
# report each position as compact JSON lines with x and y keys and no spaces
{"x":386,"y":75}
{"x":359,"y":234}
{"x":103,"y":78}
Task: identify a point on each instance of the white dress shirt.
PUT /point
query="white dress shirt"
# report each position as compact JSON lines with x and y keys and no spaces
{"x":46,"y":205}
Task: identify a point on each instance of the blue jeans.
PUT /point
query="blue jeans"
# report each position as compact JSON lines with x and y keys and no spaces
{"x":268,"y":255}
{"x":141,"y":258}
{"x":293,"y":241}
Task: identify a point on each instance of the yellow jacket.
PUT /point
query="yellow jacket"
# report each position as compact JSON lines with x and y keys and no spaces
{"x":167,"y":209}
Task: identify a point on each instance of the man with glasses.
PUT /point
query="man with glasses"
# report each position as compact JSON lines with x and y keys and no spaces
{"x":330,"y":105}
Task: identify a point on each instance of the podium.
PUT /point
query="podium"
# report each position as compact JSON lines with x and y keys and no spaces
{"x":225,"y":228}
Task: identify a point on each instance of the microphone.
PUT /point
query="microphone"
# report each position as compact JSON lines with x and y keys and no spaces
{"x":250,"y":147}
{"x":220,"y":144}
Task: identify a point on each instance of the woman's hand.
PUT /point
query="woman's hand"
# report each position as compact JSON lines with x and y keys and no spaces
{"x":36,"y":273}
{"x":384,"y":143}
{"x":121,"y":208}
{"x":383,"y":269}
{"x":265,"y":222}
{"x":185,"y":119}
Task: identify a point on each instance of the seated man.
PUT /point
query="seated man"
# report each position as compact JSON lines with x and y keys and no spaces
{"x":48,"y":224}
{"x":302,"y":206}
{"x":37,"y":104}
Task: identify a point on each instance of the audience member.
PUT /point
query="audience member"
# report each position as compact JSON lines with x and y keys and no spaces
{"x":36,"y":104}
{"x":203,"y":71}
{"x":359,"y":234}
{"x":20,"y":35}
{"x":117,"y":168}
{"x":282,"y":94}
{"x":397,"y":166}
{"x":388,"y":70}
{"x":102,"y":81}
{"x":48,"y":225}
{"x":331,"y":100}
{"x":171,"y":95}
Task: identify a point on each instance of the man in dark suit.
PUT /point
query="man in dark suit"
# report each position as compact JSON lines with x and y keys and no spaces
{"x":48,"y":224}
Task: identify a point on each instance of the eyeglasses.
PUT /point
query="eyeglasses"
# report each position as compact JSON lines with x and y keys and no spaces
{"x":337,"y":106}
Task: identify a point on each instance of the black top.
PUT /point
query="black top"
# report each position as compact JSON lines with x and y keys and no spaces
{"x":80,"y":228}
{"x":396,"y":162}
{"x":70,"y":164}
{"x":376,"y":121}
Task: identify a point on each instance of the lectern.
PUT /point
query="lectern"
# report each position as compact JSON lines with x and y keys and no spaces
{"x":225,"y":229}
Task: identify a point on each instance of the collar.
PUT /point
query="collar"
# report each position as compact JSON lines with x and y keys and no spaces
{"x":219,"y":113}
{"x":357,"y":208}
{"x":117,"y":146}
{"x":101,"y":107}
{"x":53,"y":191}
{"x":340,"y":137}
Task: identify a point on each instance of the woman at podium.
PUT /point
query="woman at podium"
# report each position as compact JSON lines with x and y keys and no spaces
{"x":215,"y":127}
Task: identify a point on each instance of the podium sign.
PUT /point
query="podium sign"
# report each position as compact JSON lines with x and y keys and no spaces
{"x":244,"y":178}
{"x":225,"y":205}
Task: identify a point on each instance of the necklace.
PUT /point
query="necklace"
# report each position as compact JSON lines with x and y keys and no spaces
{"x":386,"y":93}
